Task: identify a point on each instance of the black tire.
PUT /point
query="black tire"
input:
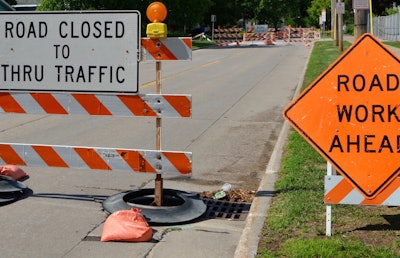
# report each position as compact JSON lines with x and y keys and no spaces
{"x":179,"y":206}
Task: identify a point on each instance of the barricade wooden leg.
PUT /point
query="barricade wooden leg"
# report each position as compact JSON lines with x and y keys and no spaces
{"x":158,"y":191}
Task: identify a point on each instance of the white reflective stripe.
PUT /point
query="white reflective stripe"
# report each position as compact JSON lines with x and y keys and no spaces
{"x":26,"y":101}
{"x":70,"y":157}
{"x":178,"y":48}
{"x":29,"y":155}
{"x":354,"y":197}
{"x":393,"y":199}
{"x":114,"y":105}
{"x":113,"y":159}
{"x":168,"y":166}
{"x":331,"y":182}
{"x":69,"y":104}
{"x":161,"y":106}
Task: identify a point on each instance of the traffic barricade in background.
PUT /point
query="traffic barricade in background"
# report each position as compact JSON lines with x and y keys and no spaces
{"x":228,"y":37}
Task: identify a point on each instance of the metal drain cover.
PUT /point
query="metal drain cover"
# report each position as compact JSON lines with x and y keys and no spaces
{"x":217,"y":209}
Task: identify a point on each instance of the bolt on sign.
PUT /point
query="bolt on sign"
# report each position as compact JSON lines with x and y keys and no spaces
{"x":70,"y":51}
{"x":351,"y":115}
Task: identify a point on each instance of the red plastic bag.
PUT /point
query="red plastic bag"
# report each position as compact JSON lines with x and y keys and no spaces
{"x":127,"y":226}
{"x":12,"y":171}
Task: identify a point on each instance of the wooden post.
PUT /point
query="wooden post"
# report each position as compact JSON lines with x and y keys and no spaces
{"x":360,"y":23}
{"x":158,"y":188}
{"x":340,"y":30}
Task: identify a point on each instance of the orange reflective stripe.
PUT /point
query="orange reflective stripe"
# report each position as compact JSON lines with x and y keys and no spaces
{"x":181,"y":105}
{"x":180,"y":162}
{"x":158,"y":50}
{"x":188,"y":42}
{"x":136,"y":161}
{"x":92,"y":159}
{"x":386,"y":193}
{"x":136,"y":105}
{"x":49,"y":156}
{"x":341,"y":190}
{"x":9,"y":156}
{"x":9,"y":104}
{"x":49,"y":104}
{"x":91,"y":104}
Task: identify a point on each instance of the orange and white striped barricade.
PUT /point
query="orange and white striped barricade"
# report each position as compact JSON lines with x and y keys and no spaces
{"x":96,"y":158}
{"x":338,"y":190}
{"x":153,"y":105}
{"x":166,"y":49}
{"x":228,"y":37}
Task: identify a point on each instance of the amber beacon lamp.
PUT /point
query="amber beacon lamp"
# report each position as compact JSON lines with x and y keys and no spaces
{"x":156,"y":12}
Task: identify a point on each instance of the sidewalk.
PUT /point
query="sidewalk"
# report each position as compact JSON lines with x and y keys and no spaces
{"x":351,"y":39}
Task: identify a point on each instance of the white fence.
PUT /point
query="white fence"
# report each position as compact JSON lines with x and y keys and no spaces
{"x":387,"y":27}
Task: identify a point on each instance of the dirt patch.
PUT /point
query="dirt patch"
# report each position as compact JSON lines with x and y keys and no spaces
{"x":234,"y":195}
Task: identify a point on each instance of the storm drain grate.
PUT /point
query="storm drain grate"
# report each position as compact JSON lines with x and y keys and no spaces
{"x":217,"y":209}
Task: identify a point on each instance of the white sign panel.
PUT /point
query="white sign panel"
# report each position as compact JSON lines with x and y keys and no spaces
{"x":261,"y":28}
{"x":70,"y":51}
{"x":361,"y":4}
{"x":340,"y":8}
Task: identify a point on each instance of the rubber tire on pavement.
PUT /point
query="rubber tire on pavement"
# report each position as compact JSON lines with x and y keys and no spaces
{"x":188,"y":208}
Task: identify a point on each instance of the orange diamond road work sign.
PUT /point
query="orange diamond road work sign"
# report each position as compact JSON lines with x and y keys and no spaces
{"x":351,"y":115}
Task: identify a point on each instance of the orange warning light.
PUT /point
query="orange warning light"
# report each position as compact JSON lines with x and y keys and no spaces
{"x":156,"y":12}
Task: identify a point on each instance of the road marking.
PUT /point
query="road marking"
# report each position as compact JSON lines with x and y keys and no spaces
{"x":211,"y":63}
{"x":150,"y":84}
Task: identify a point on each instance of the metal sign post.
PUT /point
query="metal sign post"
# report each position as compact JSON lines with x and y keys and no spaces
{"x":213,"y":20}
{"x":330,"y":171}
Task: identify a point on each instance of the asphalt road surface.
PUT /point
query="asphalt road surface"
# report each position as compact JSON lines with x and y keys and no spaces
{"x":237,"y":99}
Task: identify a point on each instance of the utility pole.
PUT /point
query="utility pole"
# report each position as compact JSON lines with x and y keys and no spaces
{"x":360,"y":22}
{"x":340,"y":24}
{"x":333,"y":22}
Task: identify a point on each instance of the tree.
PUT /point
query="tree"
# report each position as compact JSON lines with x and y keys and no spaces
{"x":271,"y":12}
{"x":314,"y":11}
{"x":380,"y":7}
{"x":182,"y":14}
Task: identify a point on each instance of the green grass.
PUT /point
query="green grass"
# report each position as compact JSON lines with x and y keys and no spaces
{"x":202,"y":43}
{"x":393,"y":43}
{"x":295,"y":223}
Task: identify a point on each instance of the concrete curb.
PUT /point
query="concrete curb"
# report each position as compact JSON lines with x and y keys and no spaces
{"x":248,"y":243}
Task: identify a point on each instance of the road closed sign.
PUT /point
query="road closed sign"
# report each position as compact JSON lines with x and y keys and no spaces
{"x":70,"y":51}
{"x":351,"y":115}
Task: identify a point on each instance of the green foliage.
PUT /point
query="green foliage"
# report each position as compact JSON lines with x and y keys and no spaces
{"x":186,"y":15}
{"x":271,"y":12}
{"x":391,"y":11}
{"x":314,"y":11}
